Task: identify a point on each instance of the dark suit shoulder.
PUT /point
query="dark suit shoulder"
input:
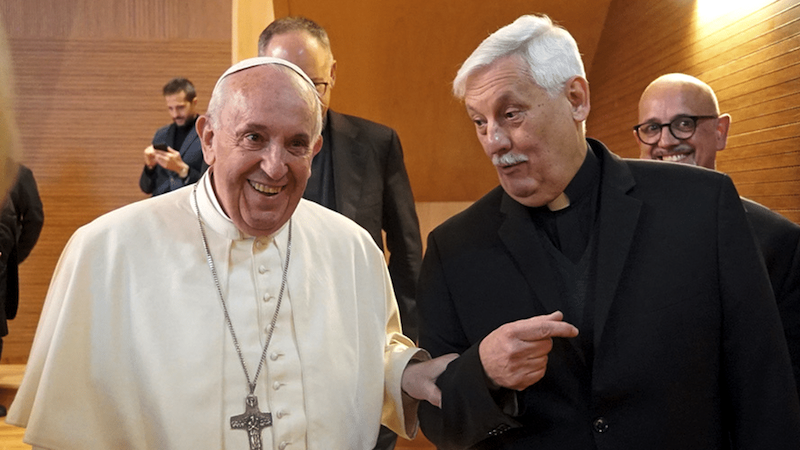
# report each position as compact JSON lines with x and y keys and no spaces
{"x":161,"y":134}
{"x":763,"y":218}
{"x":340,"y":121}
{"x":479,"y":218}
{"x":659,"y":172}
{"x":678,"y":187}
{"x":778,"y":239}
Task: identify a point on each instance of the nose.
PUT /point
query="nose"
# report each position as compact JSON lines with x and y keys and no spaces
{"x":496,"y":139}
{"x":273,"y":161}
{"x":667,"y":140}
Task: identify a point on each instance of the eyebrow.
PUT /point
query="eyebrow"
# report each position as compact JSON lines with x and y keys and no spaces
{"x":504,"y":99}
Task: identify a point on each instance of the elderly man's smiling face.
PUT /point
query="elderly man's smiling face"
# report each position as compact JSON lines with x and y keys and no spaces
{"x":260,"y":148}
{"x":534,"y":140}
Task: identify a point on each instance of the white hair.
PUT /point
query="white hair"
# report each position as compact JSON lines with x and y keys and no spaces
{"x":548,"y":50}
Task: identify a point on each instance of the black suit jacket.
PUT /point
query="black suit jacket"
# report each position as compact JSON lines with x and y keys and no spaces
{"x":682,"y":346}
{"x":159,"y":180}
{"x":372,"y":189}
{"x":20,"y":226}
{"x":779,"y":241}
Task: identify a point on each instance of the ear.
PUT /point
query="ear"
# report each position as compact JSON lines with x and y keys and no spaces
{"x":316,"y":147}
{"x":333,"y":73}
{"x":723,"y":125}
{"x":644,"y":149}
{"x":577,"y":92}
{"x":206,"y":134}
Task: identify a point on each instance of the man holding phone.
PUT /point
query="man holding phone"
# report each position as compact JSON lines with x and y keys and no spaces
{"x":175,"y":157}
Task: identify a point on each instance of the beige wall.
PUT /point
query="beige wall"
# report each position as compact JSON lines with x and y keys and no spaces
{"x":248,"y":18}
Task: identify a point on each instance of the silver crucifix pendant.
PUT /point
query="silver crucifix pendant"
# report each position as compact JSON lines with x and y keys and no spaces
{"x":253,"y":421}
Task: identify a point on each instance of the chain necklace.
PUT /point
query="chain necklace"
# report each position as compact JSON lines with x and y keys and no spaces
{"x":252,"y":420}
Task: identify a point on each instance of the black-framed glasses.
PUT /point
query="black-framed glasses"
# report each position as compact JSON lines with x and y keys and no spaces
{"x":321,"y":87}
{"x":681,"y":127}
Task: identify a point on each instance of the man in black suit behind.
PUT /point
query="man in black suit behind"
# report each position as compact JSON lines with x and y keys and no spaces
{"x":689,"y":109}
{"x":174,"y":159}
{"x":595,"y":302}
{"x":21,"y":223}
{"x":359,"y":172}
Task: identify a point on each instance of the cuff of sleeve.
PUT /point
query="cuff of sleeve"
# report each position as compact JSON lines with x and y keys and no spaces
{"x":400,"y":409}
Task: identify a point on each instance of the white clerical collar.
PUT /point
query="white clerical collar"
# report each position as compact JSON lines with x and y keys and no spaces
{"x":212,"y":196}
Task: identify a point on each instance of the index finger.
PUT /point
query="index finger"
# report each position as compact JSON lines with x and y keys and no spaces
{"x":544,"y":327}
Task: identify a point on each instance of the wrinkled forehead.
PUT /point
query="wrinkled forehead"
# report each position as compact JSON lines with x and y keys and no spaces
{"x":264,"y":79}
{"x":269,"y":97}
{"x":506,"y":79}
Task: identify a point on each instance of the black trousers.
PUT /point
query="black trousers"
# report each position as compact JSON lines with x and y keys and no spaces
{"x":386,"y":439}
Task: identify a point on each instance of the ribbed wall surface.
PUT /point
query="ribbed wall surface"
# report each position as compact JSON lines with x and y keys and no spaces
{"x":750,"y":58}
{"x":88,"y":80}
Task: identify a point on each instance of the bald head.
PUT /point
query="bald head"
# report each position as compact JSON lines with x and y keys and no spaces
{"x":682,"y":97}
{"x":698,"y":95}
{"x":309,"y":52}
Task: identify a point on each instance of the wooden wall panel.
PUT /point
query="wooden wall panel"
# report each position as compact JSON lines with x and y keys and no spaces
{"x":88,"y":78}
{"x":751,"y":58}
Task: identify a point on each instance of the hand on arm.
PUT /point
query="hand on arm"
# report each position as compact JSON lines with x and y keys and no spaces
{"x":419,"y":378}
{"x":515,"y":355}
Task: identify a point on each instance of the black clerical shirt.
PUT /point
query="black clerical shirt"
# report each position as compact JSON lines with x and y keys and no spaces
{"x":181,"y":131}
{"x":569,"y":229}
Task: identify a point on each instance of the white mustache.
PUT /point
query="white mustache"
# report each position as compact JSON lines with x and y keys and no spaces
{"x":508,"y":159}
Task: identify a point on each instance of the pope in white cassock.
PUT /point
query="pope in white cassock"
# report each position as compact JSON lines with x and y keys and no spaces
{"x":230,"y":314}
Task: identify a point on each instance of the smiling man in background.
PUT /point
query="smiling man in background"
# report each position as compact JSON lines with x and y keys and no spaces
{"x":680,"y":121}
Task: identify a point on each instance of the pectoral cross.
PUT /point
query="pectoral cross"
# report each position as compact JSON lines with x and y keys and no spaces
{"x":253,"y":421}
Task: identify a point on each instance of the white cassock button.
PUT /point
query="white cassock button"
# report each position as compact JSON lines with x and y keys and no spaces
{"x":276,"y":385}
{"x":274,"y":356}
{"x":262,"y":269}
{"x":283,"y":445}
{"x":281,"y":413}
{"x":267,"y":297}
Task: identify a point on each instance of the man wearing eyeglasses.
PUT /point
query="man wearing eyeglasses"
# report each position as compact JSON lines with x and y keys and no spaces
{"x":679,"y":121}
{"x":359,"y":172}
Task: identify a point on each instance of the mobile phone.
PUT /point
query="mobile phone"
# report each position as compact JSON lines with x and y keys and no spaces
{"x":162,"y":147}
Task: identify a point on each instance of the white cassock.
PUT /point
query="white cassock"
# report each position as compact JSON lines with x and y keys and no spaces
{"x":132,"y":350}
